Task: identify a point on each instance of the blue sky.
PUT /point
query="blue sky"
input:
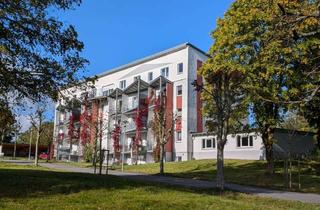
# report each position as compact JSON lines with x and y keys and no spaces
{"x":116,"y":32}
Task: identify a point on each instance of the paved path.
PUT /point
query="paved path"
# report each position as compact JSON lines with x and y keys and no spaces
{"x":191,"y":183}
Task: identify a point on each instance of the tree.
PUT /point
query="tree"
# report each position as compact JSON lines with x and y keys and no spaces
{"x":311,"y":111}
{"x":161,"y":126}
{"x":277,"y":66}
{"x":46,"y":136}
{"x":223,"y":98}
{"x":37,"y":122}
{"x":7,"y":122}
{"x":39,"y":54}
{"x":295,"y":122}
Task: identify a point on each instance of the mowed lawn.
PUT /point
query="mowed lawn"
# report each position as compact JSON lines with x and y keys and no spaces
{"x":28,"y":187}
{"x":245,"y":172}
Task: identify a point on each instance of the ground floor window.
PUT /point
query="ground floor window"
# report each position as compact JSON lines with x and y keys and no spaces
{"x":209,"y":143}
{"x":244,"y":141}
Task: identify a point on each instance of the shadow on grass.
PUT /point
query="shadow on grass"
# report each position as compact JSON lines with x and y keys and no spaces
{"x":24,"y":183}
{"x":253,"y":174}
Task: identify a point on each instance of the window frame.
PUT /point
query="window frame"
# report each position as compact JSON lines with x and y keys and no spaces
{"x":123,"y":83}
{"x":166,"y":72}
{"x":240,"y":139}
{"x":177,"y":136}
{"x":204,"y":143}
{"x":150,"y":73}
{"x":177,"y":90}
{"x":178,"y":68}
{"x":135,"y":78}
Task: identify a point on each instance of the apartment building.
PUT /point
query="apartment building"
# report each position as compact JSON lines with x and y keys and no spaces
{"x":121,"y":105}
{"x":116,"y":113}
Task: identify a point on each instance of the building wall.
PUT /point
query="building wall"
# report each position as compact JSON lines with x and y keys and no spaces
{"x":186,"y":55}
{"x":231,"y":150}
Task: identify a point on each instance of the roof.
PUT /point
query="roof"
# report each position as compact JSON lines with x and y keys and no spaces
{"x":115,"y":92}
{"x":151,"y":57}
{"x":156,"y":82}
{"x":134,"y":86}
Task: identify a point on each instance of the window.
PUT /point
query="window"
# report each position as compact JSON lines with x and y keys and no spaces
{"x":165,"y":72}
{"x":180,"y":68}
{"x":179,"y":90}
{"x":136,"y":78}
{"x":150,"y":76}
{"x":110,"y":91}
{"x":178,"y":136}
{"x":244,"y":141}
{"x":123,"y":84}
{"x":208,"y":143}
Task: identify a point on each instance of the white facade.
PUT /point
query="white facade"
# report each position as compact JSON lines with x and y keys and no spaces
{"x":246,"y":146}
{"x":178,"y":65}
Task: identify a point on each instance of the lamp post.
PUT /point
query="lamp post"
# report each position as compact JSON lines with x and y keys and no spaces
{"x":123,"y":141}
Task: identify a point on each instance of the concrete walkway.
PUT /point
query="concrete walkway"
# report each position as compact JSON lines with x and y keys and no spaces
{"x":190,"y":183}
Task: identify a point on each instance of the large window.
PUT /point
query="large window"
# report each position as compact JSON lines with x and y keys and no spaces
{"x":180,"y":68}
{"x":165,"y":72}
{"x":244,"y":141}
{"x":123,"y":84}
{"x":150,"y":76}
{"x":179,"y":90}
{"x":209,"y":143}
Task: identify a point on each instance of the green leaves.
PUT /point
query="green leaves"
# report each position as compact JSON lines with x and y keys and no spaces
{"x":39,"y":54}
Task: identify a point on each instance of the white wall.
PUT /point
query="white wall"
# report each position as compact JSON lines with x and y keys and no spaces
{"x":231,"y":150}
{"x":188,"y":56}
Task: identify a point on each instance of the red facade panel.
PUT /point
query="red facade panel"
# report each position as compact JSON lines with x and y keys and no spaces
{"x":179,"y":102}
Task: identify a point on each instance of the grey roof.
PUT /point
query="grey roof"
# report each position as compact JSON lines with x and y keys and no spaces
{"x":148,"y":58}
{"x":156,"y":82}
{"x":134,"y":87}
{"x":114,"y":92}
{"x":294,"y":143}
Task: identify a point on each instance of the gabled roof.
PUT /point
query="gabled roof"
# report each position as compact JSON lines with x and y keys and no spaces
{"x":135,"y":85}
{"x":156,"y":82}
{"x":154,"y":56}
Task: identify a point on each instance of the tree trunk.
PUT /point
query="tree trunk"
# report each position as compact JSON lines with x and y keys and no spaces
{"x":220,"y":176}
{"x":318,"y":135}
{"x":37,"y":148}
{"x":162,"y":159}
{"x":95,"y":156}
{"x":267,"y":138}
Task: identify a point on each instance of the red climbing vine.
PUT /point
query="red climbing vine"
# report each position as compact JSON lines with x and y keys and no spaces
{"x":116,"y":141}
{"x":85,"y":119}
{"x":71,"y":128}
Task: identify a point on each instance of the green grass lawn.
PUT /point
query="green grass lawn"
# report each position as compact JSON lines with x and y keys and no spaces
{"x":28,"y":187}
{"x":238,"y":171}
